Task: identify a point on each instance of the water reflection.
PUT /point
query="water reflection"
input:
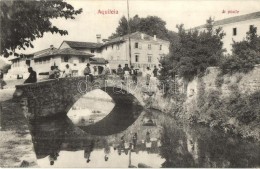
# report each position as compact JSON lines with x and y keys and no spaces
{"x":87,"y":110}
{"x":60,"y":143}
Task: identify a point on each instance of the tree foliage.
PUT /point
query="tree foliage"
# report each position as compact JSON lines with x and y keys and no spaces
{"x":23,"y":21}
{"x":245,"y":54}
{"x":194,"y":52}
{"x":151,"y":25}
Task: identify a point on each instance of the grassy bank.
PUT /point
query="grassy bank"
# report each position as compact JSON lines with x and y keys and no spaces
{"x":16,"y":147}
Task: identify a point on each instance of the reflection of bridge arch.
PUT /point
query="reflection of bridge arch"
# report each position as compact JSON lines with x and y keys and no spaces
{"x":53,"y":97}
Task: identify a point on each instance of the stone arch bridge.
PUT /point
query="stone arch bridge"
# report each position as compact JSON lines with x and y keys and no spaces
{"x":56,"y":96}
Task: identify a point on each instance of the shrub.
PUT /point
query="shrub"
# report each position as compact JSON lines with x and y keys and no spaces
{"x":245,"y":55}
{"x":219,"y":80}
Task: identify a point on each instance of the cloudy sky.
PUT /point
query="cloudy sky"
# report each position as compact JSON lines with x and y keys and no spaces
{"x":90,"y":22}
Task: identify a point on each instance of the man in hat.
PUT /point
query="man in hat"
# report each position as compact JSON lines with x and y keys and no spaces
{"x":32,"y":77}
{"x":87,"y":72}
{"x":148,"y":75}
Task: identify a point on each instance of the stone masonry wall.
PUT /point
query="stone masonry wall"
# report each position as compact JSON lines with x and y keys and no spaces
{"x":247,"y":83}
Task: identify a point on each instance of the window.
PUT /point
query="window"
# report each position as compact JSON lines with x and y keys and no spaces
{"x":112,"y":46}
{"x":160,"y":47}
{"x":92,"y":50}
{"x":234,"y":31}
{"x":82,"y":60}
{"x":136,"y":45}
{"x":161,"y":57}
{"x":117,"y":47}
{"x":136,"y":58}
{"x":66,"y":59}
{"x":40,"y":61}
{"x":149,"y":58}
{"x":106,"y":47}
{"x":149,"y":46}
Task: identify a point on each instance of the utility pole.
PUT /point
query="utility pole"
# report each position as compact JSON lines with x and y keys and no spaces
{"x":129,"y":31}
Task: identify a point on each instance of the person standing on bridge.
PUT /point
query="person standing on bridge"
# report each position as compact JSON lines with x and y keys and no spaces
{"x":155,"y":71}
{"x":32,"y":77}
{"x":120,"y":72}
{"x":133,"y":73}
{"x":87,"y":72}
{"x":148,"y":76}
{"x":126,"y":70}
{"x":106,"y":71}
{"x":52,"y":73}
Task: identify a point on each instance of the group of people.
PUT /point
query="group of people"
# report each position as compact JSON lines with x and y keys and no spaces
{"x":56,"y":73}
{"x":126,"y":72}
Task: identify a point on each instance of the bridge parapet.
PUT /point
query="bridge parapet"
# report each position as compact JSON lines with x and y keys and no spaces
{"x":57,"y":96}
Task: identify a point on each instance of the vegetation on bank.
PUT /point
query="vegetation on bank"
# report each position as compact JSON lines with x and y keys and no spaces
{"x":237,"y":113}
{"x":194,"y":53}
{"x":245,"y":54}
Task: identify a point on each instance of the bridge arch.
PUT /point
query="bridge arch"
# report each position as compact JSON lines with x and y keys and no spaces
{"x":56,"y":96}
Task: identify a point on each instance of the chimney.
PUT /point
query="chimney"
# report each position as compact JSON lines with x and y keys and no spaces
{"x":98,"y":38}
{"x":154,"y":37}
{"x":142,"y":36}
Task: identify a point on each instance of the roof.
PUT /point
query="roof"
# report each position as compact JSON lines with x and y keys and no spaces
{"x":234,"y":19}
{"x":89,"y":45}
{"x":98,"y":61}
{"x":138,"y":36}
{"x":65,"y":51}
{"x":24,"y":57}
{"x":43,"y":51}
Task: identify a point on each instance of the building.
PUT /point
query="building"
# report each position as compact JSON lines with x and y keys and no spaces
{"x":42,"y":61}
{"x":77,"y":60}
{"x":19,"y":67}
{"x":145,"y":52}
{"x":235,"y":28}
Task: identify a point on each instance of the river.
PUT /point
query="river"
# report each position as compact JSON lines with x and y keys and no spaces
{"x":100,"y":133}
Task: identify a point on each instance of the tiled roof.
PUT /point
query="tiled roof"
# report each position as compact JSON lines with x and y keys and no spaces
{"x":98,"y":61}
{"x":76,"y":44}
{"x":65,"y":51}
{"x":234,"y":19}
{"x":91,"y":45}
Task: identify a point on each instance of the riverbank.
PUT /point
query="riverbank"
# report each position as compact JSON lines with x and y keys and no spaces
{"x":16,"y":147}
{"x":237,"y":114}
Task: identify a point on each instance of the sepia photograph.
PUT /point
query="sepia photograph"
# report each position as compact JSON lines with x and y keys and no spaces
{"x":130,"y":84}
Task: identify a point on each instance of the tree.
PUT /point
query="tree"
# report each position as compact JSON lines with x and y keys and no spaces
{"x":194,"y":51}
{"x":245,"y":54}
{"x":122,"y":28}
{"x":23,"y":21}
{"x":151,"y":25}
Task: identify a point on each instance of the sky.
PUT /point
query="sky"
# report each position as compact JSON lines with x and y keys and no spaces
{"x":90,"y":22}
